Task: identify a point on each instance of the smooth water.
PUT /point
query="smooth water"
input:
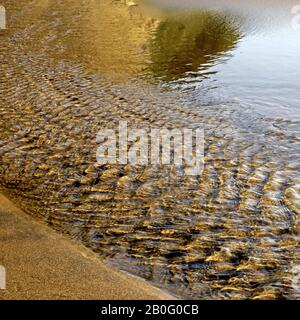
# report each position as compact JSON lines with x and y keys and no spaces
{"x":247,"y":52}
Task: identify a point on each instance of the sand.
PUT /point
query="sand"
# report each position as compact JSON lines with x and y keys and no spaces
{"x":41,"y":264}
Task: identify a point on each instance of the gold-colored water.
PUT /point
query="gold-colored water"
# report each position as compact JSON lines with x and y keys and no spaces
{"x":231,"y":232}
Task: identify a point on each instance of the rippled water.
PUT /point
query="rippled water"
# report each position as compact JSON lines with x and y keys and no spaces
{"x":70,"y":68}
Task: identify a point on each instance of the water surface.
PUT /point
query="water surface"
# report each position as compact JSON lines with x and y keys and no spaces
{"x":247,"y":52}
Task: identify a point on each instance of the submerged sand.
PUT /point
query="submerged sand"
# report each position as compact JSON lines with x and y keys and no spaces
{"x":41,"y":264}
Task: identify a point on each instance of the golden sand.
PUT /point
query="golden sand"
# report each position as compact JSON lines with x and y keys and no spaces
{"x":40,"y":264}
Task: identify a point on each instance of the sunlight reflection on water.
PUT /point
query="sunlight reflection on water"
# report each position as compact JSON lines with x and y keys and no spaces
{"x":260,"y":68}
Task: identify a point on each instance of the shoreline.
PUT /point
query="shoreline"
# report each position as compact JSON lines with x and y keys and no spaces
{"x":43,"y":265}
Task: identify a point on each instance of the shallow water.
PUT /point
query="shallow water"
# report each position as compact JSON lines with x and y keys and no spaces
{"x":258,"y":65}
{"x":70,"y":68}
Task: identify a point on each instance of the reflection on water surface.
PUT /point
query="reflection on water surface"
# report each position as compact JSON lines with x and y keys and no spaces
{"x":188,"y":44}
{"x":262,"y":72}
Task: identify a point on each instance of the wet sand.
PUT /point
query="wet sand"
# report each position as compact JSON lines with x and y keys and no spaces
{"x":41,"y":264}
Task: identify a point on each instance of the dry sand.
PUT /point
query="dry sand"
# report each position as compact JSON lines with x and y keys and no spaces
{"x":41,"y":264}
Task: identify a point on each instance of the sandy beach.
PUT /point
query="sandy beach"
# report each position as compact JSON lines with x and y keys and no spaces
{"x":40,"y":264}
